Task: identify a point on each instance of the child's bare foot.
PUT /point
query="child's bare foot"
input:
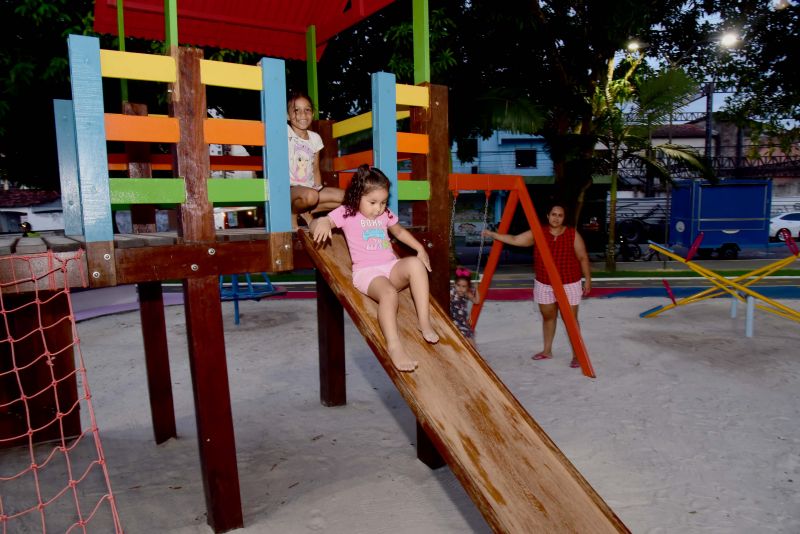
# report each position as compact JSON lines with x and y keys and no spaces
{"x":400,"y":359}
{"x":430,"y":336}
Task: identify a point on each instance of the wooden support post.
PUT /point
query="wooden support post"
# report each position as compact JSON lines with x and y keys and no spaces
{"x":330,"y":321}
{"x":151,"y":300}
{"x":426,"y":450}
{"x":156,"y":357}
{"x":203,"y":309}
{"x":330,"y":313}
{"x":329,"y":151}
{"x":434,"y":167}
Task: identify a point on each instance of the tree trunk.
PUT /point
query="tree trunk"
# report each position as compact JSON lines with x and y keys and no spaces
{"x":611,"y":260}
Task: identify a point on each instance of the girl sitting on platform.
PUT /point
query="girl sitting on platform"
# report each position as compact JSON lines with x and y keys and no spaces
{"x":377,"y":272}
{"x":307,"y":192}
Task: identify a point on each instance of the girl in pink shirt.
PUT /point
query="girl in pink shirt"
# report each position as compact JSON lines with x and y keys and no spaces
{"x":366,"y":223}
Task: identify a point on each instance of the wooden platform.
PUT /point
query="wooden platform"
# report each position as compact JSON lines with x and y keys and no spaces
{"x":515,"y":474}
{"x":154,"y":257}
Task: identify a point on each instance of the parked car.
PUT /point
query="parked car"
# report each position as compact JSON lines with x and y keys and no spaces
{"x":789,"y":221}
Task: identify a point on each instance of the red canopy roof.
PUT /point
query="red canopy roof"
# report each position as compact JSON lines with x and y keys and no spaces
{"x":275,"y":28}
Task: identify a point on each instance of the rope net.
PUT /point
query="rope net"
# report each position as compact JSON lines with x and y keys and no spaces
{"x":53,"y":473}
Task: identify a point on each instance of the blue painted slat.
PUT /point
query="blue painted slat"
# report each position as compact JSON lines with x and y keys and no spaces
{"x":276,"y":145}
{"x":90,"y":137}
{"x":68,"y":167}
{"x":384,"y":129}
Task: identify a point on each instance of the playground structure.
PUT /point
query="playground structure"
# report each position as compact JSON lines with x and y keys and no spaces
{"x":530,"y":484}
{"x":739,"y":288}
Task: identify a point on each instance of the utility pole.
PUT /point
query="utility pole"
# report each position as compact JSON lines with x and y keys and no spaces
{"x":709,"y":117}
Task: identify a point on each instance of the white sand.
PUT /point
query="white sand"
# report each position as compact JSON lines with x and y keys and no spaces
{"x":689,"y":426}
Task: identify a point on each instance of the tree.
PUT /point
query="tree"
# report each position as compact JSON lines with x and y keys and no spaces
{"x":653,"y":100}
{"x":534,"y":67}
{"x":761,"y":70}
{"x":33,"y":70}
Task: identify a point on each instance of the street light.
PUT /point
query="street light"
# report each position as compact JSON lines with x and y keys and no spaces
{"x":728,"y":40}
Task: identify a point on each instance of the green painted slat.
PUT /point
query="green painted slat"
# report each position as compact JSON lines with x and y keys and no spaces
{"x":171,"y":191}
{"x":146,"y":191}
{"x":413,"y":190}
{"x":311,"y":68}
{"x":421,"y":37}
{"x":171,"y":24}
{"x":221,"y":191}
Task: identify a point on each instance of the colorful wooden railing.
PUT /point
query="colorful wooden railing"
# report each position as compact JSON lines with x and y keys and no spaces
{"x":83,"y":128}
{"x":390,"y":103}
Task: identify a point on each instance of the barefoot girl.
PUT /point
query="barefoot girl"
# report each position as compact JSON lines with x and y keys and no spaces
{"x":377,"y":272}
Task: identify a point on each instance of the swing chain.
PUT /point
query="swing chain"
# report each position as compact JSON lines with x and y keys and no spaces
{"x":483,"y":238}
{"x":453,"y":220}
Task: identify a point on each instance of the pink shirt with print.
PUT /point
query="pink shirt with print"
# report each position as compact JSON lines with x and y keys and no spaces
{"x":367,"y":239}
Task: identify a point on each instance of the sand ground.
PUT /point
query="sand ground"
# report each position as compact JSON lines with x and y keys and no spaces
{"x":688,"y":427}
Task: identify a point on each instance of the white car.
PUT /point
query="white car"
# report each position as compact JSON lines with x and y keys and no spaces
{"x":789,"y":221}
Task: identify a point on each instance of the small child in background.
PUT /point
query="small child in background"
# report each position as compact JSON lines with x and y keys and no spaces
{"x":462,"y":293}
{"x":377,"y":272}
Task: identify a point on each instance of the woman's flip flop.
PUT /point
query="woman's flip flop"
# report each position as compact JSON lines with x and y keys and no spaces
{"x":541,"y":356}
{"x":574,"y":363}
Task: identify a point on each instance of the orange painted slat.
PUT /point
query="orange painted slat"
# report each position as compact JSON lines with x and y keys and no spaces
{"x":344,"y":179}
{"x":141,"y":128}
{"x":352,"y":161}
{"x":412,"y":143}
{"x":483,"y":182}
{"x":233,"y":132}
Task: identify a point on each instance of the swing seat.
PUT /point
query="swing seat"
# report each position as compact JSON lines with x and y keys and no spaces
{"x":252,"y":291}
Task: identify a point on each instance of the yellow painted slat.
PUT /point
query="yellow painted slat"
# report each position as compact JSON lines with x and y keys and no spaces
{"x":412,"y":95}
{"x":352,"y":125}
{"x":359,"y":123}
{"x":135,"y":66}
{"x":231,"y":75}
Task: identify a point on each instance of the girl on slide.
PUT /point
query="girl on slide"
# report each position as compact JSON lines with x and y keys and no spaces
{"x":377,"y":272}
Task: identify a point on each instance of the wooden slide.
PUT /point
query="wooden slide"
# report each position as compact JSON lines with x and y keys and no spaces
{"x":512,"y":470}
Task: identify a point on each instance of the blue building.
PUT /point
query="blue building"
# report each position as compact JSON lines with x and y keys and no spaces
{"x":507,"y":153}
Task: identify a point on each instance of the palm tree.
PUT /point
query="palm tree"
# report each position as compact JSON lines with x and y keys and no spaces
{"x":652,"y":102}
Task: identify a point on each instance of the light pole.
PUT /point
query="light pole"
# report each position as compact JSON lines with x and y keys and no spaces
{"x":709,"y":90}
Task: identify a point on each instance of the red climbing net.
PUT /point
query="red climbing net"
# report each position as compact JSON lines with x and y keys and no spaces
{"x":53,"y":473}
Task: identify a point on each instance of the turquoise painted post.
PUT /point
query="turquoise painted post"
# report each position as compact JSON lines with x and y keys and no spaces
{"x":276,"y":145}
{"x":68,"y":167}
{"x":90,"y":137}
{"x":384,"y":129}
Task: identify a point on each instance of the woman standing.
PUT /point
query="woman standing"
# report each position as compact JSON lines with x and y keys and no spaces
{"x":572,"y":263}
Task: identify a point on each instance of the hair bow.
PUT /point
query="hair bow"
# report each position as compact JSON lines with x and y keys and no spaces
{"x":460,"y":271}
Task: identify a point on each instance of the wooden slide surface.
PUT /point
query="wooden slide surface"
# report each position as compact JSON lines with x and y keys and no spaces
{"x":512,"y":470}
